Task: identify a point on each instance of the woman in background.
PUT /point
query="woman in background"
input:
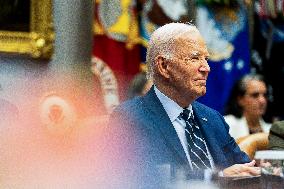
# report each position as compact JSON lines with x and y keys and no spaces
{"x":246,"y":106}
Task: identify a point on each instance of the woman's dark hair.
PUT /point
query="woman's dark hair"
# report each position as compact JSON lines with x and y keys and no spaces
{"x":137,"y":85}
{"x":239,"y":90}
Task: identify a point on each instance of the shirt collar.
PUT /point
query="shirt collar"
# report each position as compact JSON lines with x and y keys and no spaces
{"x":171,"y":107}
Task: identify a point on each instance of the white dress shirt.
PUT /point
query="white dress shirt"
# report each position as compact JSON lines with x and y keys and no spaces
{"x":174,"y":110}
{"x":239,"y":126}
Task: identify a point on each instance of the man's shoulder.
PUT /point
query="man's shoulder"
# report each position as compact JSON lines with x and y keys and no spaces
{"x":138,"y":103}
{"x":203,"y":108}
{"x":204,"y":111}
{"x":129,"y":107}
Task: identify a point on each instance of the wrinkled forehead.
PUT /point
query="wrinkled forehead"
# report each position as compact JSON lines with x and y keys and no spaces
{"x":179,"y":38}
{"x":190,"y":38}
{"x":191,"y":43}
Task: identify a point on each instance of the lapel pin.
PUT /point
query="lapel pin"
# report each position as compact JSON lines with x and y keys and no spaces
{"x":204,"y":119}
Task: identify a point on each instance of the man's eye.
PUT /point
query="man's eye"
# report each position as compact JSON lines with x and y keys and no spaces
{"x":195,"y":58}
{"x":206,"y":58}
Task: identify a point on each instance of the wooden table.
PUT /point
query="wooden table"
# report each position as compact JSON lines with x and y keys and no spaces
{"x":261,"y":182}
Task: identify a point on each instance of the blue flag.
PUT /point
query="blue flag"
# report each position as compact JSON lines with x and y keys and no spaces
{"x":227,"y":36}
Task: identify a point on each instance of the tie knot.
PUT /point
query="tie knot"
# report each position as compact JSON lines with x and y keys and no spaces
{"x":186,"y":114}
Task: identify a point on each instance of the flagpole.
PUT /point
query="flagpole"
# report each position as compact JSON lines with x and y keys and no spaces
{"x":69,"y":73}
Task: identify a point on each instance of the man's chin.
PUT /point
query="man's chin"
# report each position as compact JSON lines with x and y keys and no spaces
{"x":201,"y":92}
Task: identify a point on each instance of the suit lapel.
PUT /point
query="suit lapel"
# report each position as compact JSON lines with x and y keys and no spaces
{"x":212,"y":142}
{"x":162,"y":123}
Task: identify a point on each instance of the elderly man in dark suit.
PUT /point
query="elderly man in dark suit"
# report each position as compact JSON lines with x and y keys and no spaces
{"x":167,"y":131}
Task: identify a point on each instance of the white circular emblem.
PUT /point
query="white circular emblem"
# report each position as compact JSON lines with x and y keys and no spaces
{"x":57,"y":114}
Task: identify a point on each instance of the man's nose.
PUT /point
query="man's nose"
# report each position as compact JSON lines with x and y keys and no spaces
{"x":205,"y":66}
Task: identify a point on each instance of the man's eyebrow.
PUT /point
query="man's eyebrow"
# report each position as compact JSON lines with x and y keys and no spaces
{"x":195,"y":53}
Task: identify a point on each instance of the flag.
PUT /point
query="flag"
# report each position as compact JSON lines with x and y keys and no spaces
{"x":156,"y":13}
{"x":227,"y":36}
{"x":116,"y":54}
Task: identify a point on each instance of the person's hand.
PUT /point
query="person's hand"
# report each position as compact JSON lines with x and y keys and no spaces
{"x":269,"y":169}
{"x":264,"y":164}
{"x":246,"y":169}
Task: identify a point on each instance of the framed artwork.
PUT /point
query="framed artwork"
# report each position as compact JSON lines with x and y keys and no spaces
{"x":26,"y":27}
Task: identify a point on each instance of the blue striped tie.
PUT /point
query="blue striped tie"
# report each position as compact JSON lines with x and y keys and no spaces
{"x":196,"y":144}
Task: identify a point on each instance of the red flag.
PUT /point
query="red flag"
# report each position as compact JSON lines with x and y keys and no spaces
{"x":116,"y":51}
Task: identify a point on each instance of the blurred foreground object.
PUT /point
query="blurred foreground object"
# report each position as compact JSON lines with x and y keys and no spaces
{"x":57,"y":114}
{"x":9,"y":113}
{"x":252,"y":143}
{"x":276,"y":136}
{"x":272,"y":162}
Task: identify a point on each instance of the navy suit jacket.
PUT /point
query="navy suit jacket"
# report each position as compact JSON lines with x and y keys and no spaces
{"x":143,"y":129}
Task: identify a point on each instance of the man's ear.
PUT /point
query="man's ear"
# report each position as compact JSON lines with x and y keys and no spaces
{"x":162,"y":66}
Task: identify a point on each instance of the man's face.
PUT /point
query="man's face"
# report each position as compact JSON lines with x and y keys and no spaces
{"x":254,"y":101}
{"x":189,"y":68}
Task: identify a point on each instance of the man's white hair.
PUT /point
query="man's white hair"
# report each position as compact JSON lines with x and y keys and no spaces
{"x":163,"y":42}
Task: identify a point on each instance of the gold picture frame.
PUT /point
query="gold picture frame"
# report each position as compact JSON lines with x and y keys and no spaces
{"x":38,"y":41}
